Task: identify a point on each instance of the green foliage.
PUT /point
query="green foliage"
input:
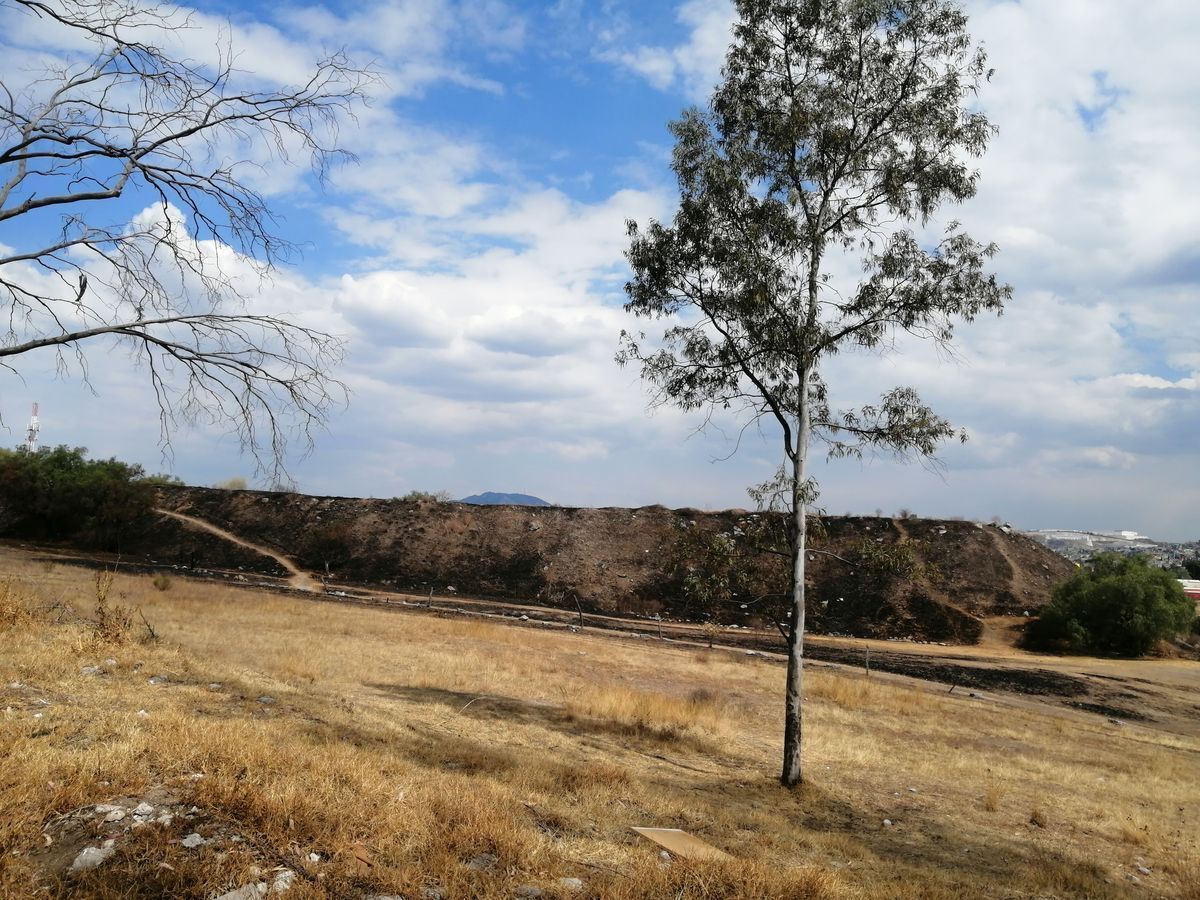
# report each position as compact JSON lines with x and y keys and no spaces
{"x":59,"y":494}
{"x":719,"y":572}
{"x":1118,"y":605}
{"x":427,"y":496}
{"x":1192,"y":567}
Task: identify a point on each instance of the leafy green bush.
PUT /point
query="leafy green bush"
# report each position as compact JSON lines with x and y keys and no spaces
{"x":1118,"y":605}
{"x":58,"y":494}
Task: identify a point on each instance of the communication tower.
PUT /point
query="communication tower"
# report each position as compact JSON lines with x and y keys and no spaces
{"x":31,"y":433}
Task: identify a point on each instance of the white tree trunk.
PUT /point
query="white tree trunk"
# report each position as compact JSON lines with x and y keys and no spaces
{"x":792,"y":732}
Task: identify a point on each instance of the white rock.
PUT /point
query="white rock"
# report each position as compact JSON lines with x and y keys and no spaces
{"x":107,"y":807}
{"x":143,"y":809}
{"x":1145,"y":870}
{"x":193,"y":840}
{"x":115,"y":816}
{"x":887,"y":823}
{"x":283,"y":881}
{"x":571,"y":884}
{"x":90,"y":857}
{"x":246,"y":892}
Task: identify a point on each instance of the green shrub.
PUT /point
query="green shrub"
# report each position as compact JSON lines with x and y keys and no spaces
{"x":58,"y":494}
{"x":1118,"y":605}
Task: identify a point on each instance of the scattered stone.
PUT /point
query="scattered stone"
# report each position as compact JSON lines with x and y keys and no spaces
{"x":143,"y":810}
{"x":524,"y":618}
{"x":110,"y":662}
{"x":15,"y":685}
{"x":484,"y":862}
{"x":215,"y":686}
{"x":529,"y":890}
{"x":283,"y":881}
{"x":1145,"y":870}
{"x":431,"y":893}
{"x":165,"y":819}
{"x":912,"y":790}
{"x":91,"y":670}
{"x":314,"y":857}
{"x":266,"y":700}
{"x":156,"y":679}
{"x":90,"y":857}
{"x":887,"y":823}
{"x":142,"y":714}
{"x":571,"y":884}
{"x":193,"y":840}
{"x":107,"y":807}
{"x":246,"y":892}
{"x":115,"y":815}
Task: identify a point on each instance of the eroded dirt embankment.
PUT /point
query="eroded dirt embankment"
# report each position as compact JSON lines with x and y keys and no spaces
{"x":919,"y":578}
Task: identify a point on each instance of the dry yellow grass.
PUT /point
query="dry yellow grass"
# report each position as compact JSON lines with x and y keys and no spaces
{"x":425,"y":742}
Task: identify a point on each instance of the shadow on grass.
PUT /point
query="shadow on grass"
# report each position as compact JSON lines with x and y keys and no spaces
{"x":640,"y":732}
{"x":923,"y":853}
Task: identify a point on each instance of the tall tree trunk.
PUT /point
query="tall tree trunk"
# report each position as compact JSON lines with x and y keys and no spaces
{"x":792,"y":732}
{"x":793,"y":773}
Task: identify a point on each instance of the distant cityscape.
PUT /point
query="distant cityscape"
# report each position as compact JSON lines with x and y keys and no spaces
{"x":1080,"y":546}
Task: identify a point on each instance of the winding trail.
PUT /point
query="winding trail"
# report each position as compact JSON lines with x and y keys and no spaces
{"x":297,"y":578}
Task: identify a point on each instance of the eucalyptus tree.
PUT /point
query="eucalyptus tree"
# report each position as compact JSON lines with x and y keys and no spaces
{"x":131,"y":210}
{"x":838,"y":127}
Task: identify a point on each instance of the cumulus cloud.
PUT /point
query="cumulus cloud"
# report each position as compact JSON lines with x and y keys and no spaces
{"x":481,"y":296}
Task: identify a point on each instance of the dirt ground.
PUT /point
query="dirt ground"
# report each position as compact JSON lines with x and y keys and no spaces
{"x":1162,"y":694}
{"x":627,"y":562}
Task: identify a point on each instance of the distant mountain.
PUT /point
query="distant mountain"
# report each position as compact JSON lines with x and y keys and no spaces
{"x":491,"y":498}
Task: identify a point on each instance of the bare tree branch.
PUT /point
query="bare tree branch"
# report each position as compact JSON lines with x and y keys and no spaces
{"x":132,"y":123}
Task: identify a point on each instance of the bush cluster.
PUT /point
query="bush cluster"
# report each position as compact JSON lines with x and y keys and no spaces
{"x":58,"y":494}
{"x":1118,"y":605}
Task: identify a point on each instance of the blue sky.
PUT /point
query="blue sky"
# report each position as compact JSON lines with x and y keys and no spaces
{"x":473,"y":261}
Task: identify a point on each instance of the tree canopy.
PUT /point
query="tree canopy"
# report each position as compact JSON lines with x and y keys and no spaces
{"x":1117,"y":605}
{"x":58,"y":494}
{"x":837,"y":124}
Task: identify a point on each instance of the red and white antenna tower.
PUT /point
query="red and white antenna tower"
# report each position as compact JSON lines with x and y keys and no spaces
{"x":31,"y":433}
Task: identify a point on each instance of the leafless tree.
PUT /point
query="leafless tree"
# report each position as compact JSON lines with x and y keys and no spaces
{"x":128,"y":210}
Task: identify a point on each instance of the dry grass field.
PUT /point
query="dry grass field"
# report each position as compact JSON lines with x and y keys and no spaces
{"x":415,"y":756}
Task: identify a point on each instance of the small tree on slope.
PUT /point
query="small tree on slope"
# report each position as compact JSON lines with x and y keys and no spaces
{"x":1118,"y":605}
{"x":836,"y":122}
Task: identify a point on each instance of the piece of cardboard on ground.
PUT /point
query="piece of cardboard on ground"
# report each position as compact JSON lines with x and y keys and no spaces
{"x":682,"y":844}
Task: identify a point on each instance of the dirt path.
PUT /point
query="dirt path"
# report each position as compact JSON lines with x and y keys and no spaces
{"x":297,"y":578}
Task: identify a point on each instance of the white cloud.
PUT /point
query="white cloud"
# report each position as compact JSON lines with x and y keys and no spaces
{"x":693,"y":66}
